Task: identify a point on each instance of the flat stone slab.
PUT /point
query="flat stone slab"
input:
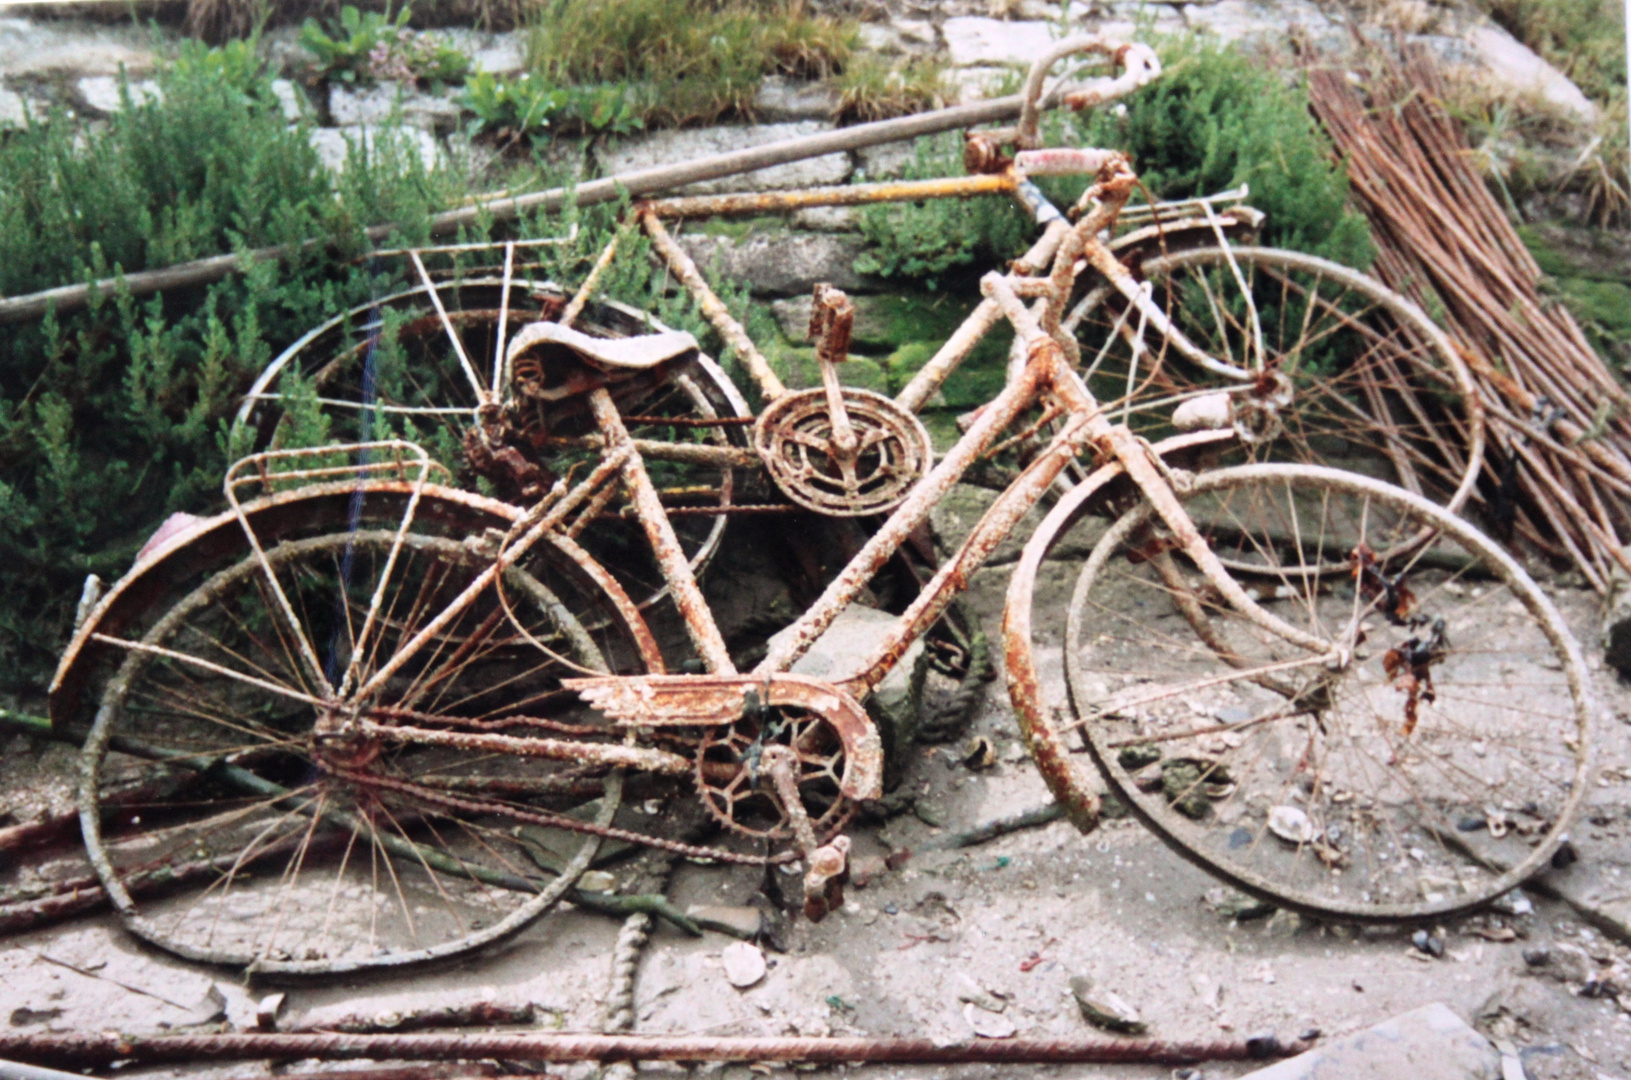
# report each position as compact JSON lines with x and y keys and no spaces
{"x":1521,"y":69}
{"x":504,"y":55}
{"x":781,"y":98}
{"x":13,"y":110}
{"x":376,"y":104}
{"x":974,"y":39}
{"x":333,"y":144}
{"x":71,"y":47}
{"x":290,"y":99}
{"x":672,"y":147}
{"x":784,"y":264}
{"x":1239,"y":20}
{"x":100,"y":93}
{"x":1429,"y":1043}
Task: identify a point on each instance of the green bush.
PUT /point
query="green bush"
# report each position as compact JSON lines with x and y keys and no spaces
{"x":114,"y":416}
{"x":924,"y":241}
{"x":1218,"y":118}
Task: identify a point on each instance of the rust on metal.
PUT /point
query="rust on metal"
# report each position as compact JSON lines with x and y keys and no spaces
{"x":713,"y":308}
{"x":686,"y":700}
{"x":770,"y":202}
{"x":101,"y":1049}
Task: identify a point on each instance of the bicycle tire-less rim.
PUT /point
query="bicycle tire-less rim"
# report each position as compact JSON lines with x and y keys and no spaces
{"x":306,"y":848}
{"x":1429,"y":761}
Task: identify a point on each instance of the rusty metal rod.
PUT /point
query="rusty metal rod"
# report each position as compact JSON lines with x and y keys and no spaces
{"x":100,"y":1049}
{"x":713,"y":308}
{"x":770,"y":202}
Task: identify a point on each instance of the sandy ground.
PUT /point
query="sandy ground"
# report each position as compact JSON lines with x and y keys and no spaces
{"x":1015,"y":918}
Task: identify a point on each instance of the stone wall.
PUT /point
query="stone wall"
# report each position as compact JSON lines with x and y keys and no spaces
{"x":75,"y":65}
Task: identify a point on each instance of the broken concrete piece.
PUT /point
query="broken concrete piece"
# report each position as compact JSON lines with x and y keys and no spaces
{"x":978,"y":996}
{"x":1429,"y":1043}
{"x":744,"y":964}
{"x":741,"y":922}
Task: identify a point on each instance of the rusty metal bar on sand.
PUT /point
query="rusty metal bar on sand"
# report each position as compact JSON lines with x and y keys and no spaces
{"x":100,"y":1049}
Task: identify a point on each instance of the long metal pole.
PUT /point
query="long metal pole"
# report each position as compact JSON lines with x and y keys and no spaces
{"x":99,"y":1049}
{"x":504,"y":207}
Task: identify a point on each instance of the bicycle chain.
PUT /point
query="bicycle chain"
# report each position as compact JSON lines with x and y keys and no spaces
{"x":560,"y":821}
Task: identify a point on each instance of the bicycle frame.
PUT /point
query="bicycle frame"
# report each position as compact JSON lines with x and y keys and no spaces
{"x":1046,"y":376}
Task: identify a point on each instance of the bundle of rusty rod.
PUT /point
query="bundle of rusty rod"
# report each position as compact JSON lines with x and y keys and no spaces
{"x":1559,"y":476}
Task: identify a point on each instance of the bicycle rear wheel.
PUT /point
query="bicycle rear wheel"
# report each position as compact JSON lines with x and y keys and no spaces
{"x":1428,"y":757}
{"x":390,"y":369}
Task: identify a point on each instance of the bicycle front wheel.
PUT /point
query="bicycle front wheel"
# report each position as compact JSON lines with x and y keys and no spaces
{"x":1373,"y":384}
{"x":1426,"y":757}
{"x":320,"y":835}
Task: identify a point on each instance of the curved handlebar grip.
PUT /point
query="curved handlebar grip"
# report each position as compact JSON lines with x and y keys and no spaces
{"x":1139,"y":66}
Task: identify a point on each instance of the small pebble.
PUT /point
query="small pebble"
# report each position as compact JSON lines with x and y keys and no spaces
{"x":1431,"y":944}
{"x":744,"y":964}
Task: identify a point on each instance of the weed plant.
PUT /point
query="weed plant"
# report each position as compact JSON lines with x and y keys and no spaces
{"x":684,"y":62}
{"x":368,"y":47}
{"x":873,"y":87}
{"x":114,"y":416}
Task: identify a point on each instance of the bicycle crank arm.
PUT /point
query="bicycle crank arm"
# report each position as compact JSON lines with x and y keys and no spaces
{"x":689,"y":700}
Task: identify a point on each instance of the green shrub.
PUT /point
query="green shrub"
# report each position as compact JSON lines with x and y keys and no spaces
{"x":114,"y":416}
{"x":924,"y":241}
{"x":686,"y":62}
{"x":1218,"y":118}
{"x":370,"y":47}
{"x":1215,"y":119}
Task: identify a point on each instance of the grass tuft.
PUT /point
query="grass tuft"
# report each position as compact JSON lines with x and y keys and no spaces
{"x":873,"y":87}
{"x":685,"y":62}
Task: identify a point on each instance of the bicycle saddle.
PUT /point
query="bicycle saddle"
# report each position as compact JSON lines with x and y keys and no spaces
{"x":545,"y":341}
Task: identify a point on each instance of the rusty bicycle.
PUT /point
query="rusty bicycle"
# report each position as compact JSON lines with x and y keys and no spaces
{"x":365,"y":718}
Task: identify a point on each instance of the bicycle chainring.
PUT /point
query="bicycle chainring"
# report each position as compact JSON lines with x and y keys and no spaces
{"x":794,"y":439}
